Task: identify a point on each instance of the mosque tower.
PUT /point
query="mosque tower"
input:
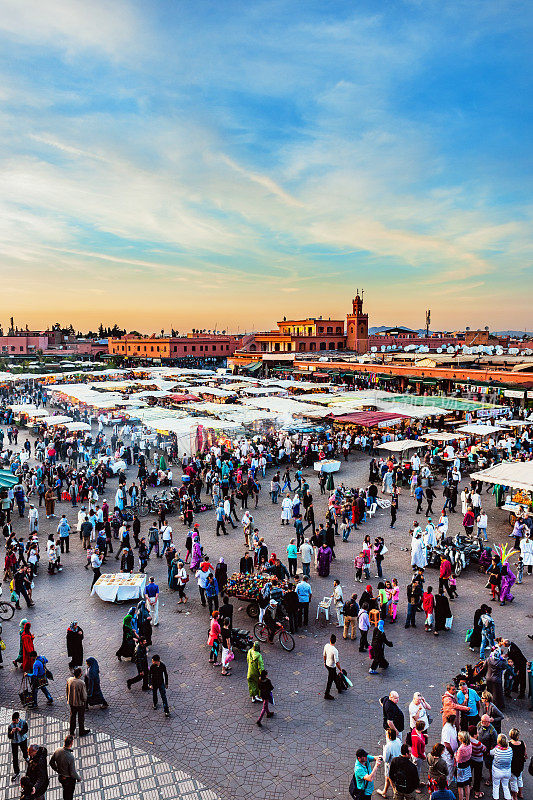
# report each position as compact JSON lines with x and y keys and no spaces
{"x":357,"y":326}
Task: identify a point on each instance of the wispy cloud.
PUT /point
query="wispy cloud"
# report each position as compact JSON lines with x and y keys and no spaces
{"x":298,"y":151}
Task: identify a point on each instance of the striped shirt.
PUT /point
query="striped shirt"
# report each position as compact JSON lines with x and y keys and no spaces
{"x":502,"y":758}
{"x":478,"y":748}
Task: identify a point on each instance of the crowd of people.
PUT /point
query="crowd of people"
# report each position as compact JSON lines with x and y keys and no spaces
{"x":65,"y":471}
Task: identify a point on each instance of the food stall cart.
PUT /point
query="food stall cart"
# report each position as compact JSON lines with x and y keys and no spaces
{"x":517,"y":475}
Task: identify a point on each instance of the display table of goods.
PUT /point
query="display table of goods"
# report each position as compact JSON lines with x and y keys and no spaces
{"x":120,"y":586}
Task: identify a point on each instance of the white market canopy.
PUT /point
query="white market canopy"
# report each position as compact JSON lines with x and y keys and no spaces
{"x":443,"y":436}
{"x":515,"y":423}
{"x":401,"y":445}
{"x":476,"y":429}
{"x":77,"y":426}
{"x":58,"y":419}
{"x":517,"y":474}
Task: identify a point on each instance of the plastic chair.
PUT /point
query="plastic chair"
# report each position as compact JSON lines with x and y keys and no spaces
{"x":324,"y":606}
{"x":372,"y":510}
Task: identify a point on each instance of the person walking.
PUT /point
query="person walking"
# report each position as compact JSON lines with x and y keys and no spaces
{"x":255,"y":668}
{"x":17,"y":733}
{"x":265,"y":693}
{"x":159,"y":682}
{"x":363,"y":623}
{"x":38,"y":679}
{"x":92,"y":681}
{"x":377,"y":648}
{"x":332,"y":664}
{"x":62,"y":762}
{"x":75,"y":645}
{"x":151,"y":596}
{"x":502,"y":757}
{"x":37,"y":771}
{"x":77,"y":700}
{"x":141,"y":662}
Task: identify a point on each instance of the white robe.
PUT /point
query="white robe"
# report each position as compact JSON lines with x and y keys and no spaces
{"x":526,"y":548}
{"x":286,"y":509}
{"x":418,"y":553}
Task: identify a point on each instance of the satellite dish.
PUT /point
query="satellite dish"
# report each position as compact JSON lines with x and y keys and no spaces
{"x":513,"y":351}
{"x":373,"y":349}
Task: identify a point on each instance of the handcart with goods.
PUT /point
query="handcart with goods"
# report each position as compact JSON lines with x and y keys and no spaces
{"x":249,"y":587}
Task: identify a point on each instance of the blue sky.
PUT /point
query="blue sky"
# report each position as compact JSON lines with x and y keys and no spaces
{"x":193,"y":164}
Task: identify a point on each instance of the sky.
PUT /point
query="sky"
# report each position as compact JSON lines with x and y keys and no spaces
{"x":221,"y":165}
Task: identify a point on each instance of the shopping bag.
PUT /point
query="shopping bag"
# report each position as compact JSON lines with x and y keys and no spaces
{"x":468,"y":636}
{"x":25,"y":694}
{"x":384,"y":550}
{"x":448,"y":623}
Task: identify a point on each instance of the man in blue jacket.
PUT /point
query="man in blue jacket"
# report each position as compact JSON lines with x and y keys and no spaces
{"x":39,"y":680}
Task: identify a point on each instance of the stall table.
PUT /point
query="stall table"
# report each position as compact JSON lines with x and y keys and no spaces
{"x":120,"y":586}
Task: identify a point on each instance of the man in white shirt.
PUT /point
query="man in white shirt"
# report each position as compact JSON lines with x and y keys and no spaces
{"x":332,"y":664}
{"x":166,"y":536}
{"x":96,"y":563}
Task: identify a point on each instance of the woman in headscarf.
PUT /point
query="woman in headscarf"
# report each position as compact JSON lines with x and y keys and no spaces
{"x":496,"y":666}
{"x":507,"y":580}
{"x":255,"y":668}
{"x":75,"y":645}
{"x":221,"y":575}
{"x":92,"y":681}
{"x":129,"y":637}
{"x":18,"y":659}
{"x":377,"y":648}
{"x":27,"y":648}
{"x":196,"y":552}
{"x":442,"y":610}
{"x":324,"y":560}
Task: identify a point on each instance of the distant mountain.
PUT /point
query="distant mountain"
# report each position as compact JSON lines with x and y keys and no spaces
{"x":515,"y":334}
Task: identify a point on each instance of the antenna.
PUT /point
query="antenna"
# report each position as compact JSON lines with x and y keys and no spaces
{"x":428,"y":320}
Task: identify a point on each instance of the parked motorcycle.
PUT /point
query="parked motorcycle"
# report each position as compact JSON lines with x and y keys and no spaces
{"x":241,"y":639}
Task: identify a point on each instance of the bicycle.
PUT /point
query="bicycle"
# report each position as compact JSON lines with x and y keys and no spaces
{"x":285,"y":638}
{"x":7,"y":609}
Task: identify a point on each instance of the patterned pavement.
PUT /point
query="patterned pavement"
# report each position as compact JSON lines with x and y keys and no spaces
{"x":110,"y":768}
{"x":307,"y":750}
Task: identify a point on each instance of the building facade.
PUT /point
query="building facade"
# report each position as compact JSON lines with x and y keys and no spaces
{"x":166,"y":348}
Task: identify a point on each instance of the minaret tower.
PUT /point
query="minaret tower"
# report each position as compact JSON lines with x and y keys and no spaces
{"x":357,"y":326}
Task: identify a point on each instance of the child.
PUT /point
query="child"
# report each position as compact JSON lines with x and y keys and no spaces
{"x":89,"y":551}
{"x":395,"y":597}
{"x":520,"y":570}
{"x":509,"y":676}
{"x":452,"y":583}
{"x":428,"y":604}
{"x":418,"y":747}
{"x":359,"y":563}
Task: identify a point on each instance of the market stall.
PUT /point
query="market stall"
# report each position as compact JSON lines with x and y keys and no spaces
{"x":120,"y":586}
{"x":517,"y":475}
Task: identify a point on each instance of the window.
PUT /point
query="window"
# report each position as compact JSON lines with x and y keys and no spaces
{"x":201,"y":347}
{"x":185,"y":348}
{"x":331,"y":346}
{"x":21,"y":349}
{"x":351,"y":328}
{"x":253,"y":348}
{"x":340,"y":345}
{"x":330,"y":329}
{"x":263,"y":347}
{"x":321,"y":330}
{"x":145,"y":348}
{"x":227,"y":347}
{"x":152,"y":348}
{"x":309,"y":331}
{"x":193,"y":348}
{"x":289,"y":347}
{"x":301,"y":347}
{"x":312,"y":346}
{"x":214,"y":348}
{"x":322,"y":345}
{"x":338,"y":330}
{"x":175,"y":348}
{"x":158,"y":348}
{"x":276,"y":347}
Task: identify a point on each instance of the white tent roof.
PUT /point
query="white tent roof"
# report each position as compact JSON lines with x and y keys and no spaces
{"x":57,"y":419}
{"x":77,"y":426}
{"x":400,"y":445}
{"x":514,"y":423}
{"x":476,"y":429}
{"x":443,"y":436}
{"x":518,"y":474}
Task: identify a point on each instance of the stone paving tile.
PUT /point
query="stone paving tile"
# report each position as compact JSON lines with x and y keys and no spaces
{"x":140,"y":780}
{"x":307,"y":749}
